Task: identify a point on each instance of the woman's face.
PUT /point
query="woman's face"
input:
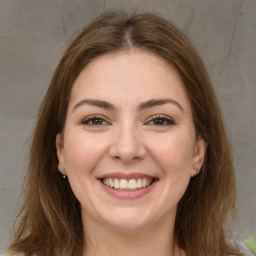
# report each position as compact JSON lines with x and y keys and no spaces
{"x":129,"y":146}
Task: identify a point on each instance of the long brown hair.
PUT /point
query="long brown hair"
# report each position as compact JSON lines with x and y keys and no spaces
{"x":50,"y":220}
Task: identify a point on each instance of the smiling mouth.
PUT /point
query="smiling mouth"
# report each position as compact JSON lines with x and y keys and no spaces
{"x":128,"y":184}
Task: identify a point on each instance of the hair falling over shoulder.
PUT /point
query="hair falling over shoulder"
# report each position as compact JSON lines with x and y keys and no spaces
{"x":49,"y":222}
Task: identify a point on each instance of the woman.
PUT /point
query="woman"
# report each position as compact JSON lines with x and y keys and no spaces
{"x":132,"y":124}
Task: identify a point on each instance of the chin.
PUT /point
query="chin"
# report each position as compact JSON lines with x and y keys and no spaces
{"x":127,"y":225}
{"x":128,"y":220}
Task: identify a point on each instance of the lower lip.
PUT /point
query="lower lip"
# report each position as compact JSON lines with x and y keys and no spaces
{"x":125,"y":195}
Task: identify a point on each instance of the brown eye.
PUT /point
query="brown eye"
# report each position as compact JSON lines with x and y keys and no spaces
{"x":94,"y":121}
{"x":161,"y":121}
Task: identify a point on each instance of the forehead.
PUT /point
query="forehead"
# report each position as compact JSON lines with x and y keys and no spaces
{"x":130,"y":76}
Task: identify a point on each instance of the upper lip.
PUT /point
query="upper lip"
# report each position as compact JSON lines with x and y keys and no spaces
{"x":121,"y":175}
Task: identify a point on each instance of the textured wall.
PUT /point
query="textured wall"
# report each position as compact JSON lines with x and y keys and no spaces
{"x":33,"y":35}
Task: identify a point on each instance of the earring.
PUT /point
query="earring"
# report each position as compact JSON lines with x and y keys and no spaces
{"x":197,"y":171}
{"x":63,"y":173}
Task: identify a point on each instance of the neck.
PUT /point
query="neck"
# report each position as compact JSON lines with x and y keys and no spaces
{"x":102,"y":240}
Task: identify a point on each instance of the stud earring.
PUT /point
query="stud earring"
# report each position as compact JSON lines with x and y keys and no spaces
{"x":197,"y":171}
{"x":63,"y":173}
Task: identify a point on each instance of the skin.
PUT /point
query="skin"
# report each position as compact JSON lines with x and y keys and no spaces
{"x":159,"y":141}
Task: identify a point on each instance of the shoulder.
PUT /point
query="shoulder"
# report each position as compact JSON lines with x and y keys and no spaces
{"x":241,"y":248}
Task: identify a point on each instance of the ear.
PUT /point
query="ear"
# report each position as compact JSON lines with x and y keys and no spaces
{"x":199,"y":154}
{"x":59,"y":149}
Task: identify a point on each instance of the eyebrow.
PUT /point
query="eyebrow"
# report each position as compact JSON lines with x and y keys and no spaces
{"x":159,"y":102}
{"x":147,"y":104}
{"x":94,"y":102}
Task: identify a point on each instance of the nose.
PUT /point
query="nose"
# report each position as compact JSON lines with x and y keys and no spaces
{"x":127,"y":145}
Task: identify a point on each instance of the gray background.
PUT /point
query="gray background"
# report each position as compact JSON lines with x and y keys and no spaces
{"x":33,"y":36}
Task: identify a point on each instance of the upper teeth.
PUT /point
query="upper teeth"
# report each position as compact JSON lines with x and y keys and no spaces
{"x":127,"y":184}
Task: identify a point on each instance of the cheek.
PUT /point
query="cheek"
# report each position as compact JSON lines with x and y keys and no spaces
{"x":174,"y":156}
{"x":173,"y":153}
{"x":83,"y":152}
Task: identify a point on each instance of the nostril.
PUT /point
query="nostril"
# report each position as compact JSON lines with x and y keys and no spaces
{"x":127,"y":153}
{"x":127,"y":145}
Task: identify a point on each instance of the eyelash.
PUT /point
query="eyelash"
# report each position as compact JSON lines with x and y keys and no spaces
{"x":164,"y":120}
{"x":88,"y":121}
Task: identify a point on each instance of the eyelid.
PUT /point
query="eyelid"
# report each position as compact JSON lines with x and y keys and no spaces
{"x":160,"y":116}
{"x":93,"y":117}
{"x":87,"y":119}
